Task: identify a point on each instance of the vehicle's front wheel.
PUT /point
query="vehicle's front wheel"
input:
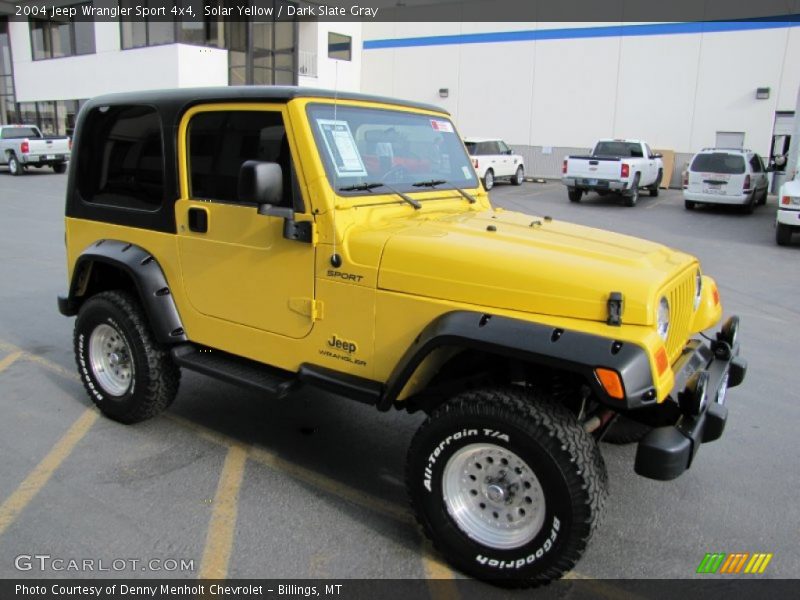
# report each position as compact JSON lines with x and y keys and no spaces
{"x":574,"y":195}
{"x":126,"y":372}
{"x":519,"y":176}
{"x":783,"y":234}
{"x":14,"y":166}
{"x":488,"y":180}
{"x":60,"y":167}
{"x":653,"y":189}
{"x":632,"y":197}
{"x":508,"y":486}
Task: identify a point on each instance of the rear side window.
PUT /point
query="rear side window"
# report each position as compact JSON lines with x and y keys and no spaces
{"x":121,"y":158}
{"x":221,"y":141}
{"x":718,"y":162}
{"x":755,"y":163}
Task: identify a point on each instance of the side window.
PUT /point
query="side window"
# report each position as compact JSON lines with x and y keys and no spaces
{"x":492,"y":148}
{"x":647,"y":149}
{"x":503,"y":147}
{"x":755,"y":162}
{"x":121,"y":158}
{"x":221,"y":141}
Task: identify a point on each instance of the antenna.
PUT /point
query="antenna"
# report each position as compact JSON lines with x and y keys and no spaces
{"x":336,"y":259}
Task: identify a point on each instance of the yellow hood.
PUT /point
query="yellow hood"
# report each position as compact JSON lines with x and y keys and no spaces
{"x":518,"y":262}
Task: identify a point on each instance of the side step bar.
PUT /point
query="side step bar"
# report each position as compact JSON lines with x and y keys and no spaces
{"x":235,"y":369}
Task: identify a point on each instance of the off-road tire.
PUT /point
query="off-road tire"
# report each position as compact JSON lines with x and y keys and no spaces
{"x":632,"y":198}
{"x":653,"y":189}
{"x":574,"y":195}
{"x":783,"y":234}
{"x":14,"y":166}
{"x":488,"y":180}
{"x":564,"y":459}
{"x":519,"y":176}
{"x":60,"y":168}
{"x":625,"y":431}
{"x":155,"y":378}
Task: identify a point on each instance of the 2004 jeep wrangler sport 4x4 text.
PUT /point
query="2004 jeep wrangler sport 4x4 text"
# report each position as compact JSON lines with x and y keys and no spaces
{"x":283,"y":237}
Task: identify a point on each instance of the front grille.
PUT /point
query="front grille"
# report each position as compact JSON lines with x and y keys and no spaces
{"x":681,"y":306}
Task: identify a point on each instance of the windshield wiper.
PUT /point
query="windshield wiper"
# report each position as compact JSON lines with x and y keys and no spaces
{"x":434,"y":182}
{"x":360,"y":187}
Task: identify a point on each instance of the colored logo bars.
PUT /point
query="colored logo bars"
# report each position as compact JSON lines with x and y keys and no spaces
{"x":736,"y":563}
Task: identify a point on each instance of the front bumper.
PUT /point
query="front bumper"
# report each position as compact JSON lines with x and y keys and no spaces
{"x":666,"y":452}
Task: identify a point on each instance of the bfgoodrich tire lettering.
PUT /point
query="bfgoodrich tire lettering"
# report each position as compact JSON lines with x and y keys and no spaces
{"x":155,"y":377}
{"x":566,"y":463}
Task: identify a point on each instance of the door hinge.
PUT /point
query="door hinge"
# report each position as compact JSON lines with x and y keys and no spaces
{"x":307,"y":307}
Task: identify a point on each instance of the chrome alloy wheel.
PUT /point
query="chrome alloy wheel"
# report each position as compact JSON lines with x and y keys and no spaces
{"x":110,"y":357}
{"x":493,"y":496}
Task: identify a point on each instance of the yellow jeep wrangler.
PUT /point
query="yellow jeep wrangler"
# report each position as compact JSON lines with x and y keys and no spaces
{"x":279,"y":237}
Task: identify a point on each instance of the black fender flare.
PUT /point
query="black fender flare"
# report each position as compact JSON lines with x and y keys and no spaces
{"x":148,"y":277}
{"x":535,"y":343}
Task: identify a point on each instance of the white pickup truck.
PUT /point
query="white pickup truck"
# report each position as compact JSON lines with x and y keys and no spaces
{"x":620,"y":166}
{"x":23,"y":146}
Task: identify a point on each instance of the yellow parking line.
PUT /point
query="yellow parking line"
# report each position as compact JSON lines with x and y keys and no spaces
{"x":221,"y":530}
{"x":33,"y":483}
{"x":440,"y":577}
{"x":9,"y":360}
{"x":327,"y":484}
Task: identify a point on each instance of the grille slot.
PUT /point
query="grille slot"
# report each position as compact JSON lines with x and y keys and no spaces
{"x":681,"y":305}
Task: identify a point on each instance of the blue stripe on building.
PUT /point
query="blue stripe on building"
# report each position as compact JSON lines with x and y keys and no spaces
{"x":570,"y":33}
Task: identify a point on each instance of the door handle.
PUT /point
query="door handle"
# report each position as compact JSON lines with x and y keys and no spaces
{"x":198,"y":220}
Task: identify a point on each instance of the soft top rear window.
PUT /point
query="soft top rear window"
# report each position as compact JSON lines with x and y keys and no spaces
{"x":718,"y":162}
{"x":17,"y":133}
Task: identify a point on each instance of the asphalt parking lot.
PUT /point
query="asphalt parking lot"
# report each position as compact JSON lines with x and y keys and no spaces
{"x":313,"y":486}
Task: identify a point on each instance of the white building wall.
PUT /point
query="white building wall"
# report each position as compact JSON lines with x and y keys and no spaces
{"x":330,"y":73}
{"x":675,"y":91}
{"x":111,"y":70}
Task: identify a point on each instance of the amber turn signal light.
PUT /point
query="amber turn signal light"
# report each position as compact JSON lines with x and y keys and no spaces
{"x":611,"y":383}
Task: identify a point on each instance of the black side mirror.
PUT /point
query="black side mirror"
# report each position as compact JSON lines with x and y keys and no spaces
{"x":260,"y":182}
{"x":657,"y":155}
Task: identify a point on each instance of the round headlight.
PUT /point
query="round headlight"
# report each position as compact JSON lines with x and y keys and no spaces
{"x":698,"y":289}
{"x":662,"y":321}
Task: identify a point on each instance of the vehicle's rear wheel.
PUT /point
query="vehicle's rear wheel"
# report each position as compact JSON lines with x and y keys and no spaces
{"x":508,"y":486}
{"x":60,"y":167}
{"x":653,"y":189}
{"x":783,"y":234}
{"x":750,"y":207}
{"x":763,"y":199}
{"x":14,"y":166}
{"x":488,"y":180}
{"x":632,"y":197}
{"x":625,"y":431}
{"x":574,"y":194}
{"x":519,"y":176}
{"x":689,"y":204}
{"x":126,"y":372}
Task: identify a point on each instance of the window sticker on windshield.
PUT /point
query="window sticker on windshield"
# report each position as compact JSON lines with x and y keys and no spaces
{"x":443,"y":126}
{"x":341,"y":147}
{"x":466,"y":172}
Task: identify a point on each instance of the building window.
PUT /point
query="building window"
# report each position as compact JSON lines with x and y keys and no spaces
{"x":340,"y":46}
{"x":148,"y":31}
{"x":8,"y":111}
{"x":61,"y":37}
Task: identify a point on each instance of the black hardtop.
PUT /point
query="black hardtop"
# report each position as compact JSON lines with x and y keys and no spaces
{"x":171,"y":105}
{"x":177,"y":100}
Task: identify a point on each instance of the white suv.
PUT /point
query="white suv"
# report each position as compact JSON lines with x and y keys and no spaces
{"x":726,"y":176}
{"x":493,"y":160}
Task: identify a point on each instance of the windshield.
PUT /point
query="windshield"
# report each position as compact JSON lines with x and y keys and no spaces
{"x":718,"y":162}
{"x":366,"y":145}
{"x":622,"y":149}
